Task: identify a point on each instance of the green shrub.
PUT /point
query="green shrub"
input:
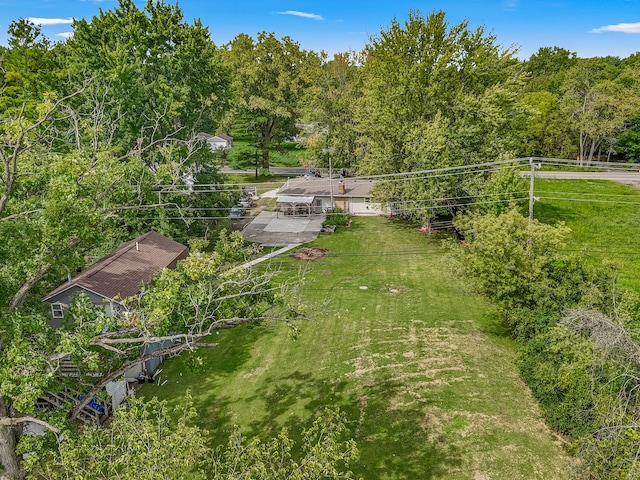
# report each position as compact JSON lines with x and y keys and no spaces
{"x":557,"y":367}
{"x":337,"y":217}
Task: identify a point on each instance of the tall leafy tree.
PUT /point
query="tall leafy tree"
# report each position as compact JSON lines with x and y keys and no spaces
{"x":547,"y":68}
{"x":269,"y":79}
{"x":331,"y":102}
{"x":207,"y":292}
{"x":543,"y":130}
{"x":597,"y":99}
{"x":159,"y":70}
{"x":28,"y":66}
{"x":434,"y":95}
{"x":629,"y":140}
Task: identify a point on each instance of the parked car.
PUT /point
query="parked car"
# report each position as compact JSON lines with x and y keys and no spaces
{"x":314,"y":172}
{"x":246,"y":202}
{"x":237,"y":211}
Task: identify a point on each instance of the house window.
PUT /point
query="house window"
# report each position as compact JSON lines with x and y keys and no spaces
{"x":57,"y":310}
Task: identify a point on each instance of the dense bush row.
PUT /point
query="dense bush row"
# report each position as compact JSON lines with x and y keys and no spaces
{"x":575,"y":332}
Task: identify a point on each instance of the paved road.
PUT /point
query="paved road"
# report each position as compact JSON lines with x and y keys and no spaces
{"x":614,"y":176}
{"x":290,"y":171}
{"x":626,"y":177}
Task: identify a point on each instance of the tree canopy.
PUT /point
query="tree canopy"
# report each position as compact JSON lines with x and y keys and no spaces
{"x":434,"y":95}
{"x":99,"y":143}
{"x":269,"y":81}
{"x":157,"y":69}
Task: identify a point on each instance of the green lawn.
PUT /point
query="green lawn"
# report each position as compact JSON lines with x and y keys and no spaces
{"x":423,"y":370}
{"x":603,"y":217}
{"x":288,"y":155}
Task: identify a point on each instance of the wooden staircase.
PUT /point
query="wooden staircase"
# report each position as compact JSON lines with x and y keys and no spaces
{"x":68,"y":369}
{"x":88,"y":414}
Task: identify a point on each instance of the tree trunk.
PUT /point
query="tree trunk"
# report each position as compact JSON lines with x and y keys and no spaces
{"x":21,"y":294}
{"x":265,"y":157}
{"x":9,"y":435}
{"x":592,"y":150}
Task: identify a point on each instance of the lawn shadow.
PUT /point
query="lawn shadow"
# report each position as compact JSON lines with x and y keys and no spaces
{"x":493,"y":325}
{"x":289,"y":392}
{"x":202,"y":372}
{"x":401,"y":443}
{"x":390,"y":444}
{"x":551,"y":213}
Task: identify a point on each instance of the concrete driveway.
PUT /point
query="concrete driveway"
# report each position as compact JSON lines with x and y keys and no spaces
{"x":275,"y":229}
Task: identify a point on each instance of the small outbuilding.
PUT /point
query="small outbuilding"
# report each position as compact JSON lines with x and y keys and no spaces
{"x":216,"y":142}
{"x":297,"y":205}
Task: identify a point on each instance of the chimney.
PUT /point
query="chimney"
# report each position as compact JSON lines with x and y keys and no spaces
{"x":137,"y":247}
{"x":341,"y":190}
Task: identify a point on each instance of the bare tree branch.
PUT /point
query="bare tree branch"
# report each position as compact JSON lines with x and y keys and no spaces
{"x":16,"y":147}
{"x":186,"y":342}
{"x":607,"y":333}
{"x":11,"y":421}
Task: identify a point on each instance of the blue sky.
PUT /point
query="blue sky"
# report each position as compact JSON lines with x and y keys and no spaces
{"x":587,"y":27}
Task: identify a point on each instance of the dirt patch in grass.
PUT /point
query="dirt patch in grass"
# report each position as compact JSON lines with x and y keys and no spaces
{"x":395,"y":290}
{"x":309,"y":254}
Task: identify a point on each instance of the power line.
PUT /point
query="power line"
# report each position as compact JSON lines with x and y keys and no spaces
{"x":461,"y":197}
{"x":464,"y":204}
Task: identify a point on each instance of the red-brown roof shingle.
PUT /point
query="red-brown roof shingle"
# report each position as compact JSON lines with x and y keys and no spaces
{"x":120,"y":274}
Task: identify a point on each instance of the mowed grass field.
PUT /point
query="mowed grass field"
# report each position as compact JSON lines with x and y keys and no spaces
{"x":604,"y":218}
{"x":422,"y":369}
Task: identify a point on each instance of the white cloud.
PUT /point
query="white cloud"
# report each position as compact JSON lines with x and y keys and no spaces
{"x":50,"y":21}
{"x":511,"y":4}
{"x":65,"y":34}
{"x":620,"y":27}
{"x":312,"y":16}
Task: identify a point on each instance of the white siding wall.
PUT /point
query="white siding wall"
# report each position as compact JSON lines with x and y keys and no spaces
{"x":357,"y":206}
{"x":116,"y":391}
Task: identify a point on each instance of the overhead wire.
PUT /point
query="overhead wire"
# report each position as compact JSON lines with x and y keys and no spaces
{"x":475,"y":169}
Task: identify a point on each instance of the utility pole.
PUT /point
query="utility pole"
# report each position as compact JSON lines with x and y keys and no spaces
{"x":330,"y":185}
{"x":532,"y":175}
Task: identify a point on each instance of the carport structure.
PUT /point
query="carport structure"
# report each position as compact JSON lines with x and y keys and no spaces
{"x":295,"y":205}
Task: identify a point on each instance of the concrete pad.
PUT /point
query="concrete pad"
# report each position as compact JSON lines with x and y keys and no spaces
{"x":273,"y":229}
{"x":270,"y":193}
{"x":262,"y":219}
{"x":287,"y":225}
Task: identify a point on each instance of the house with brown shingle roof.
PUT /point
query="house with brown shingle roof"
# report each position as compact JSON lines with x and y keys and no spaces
{"x":119,"y":275}
{"x":107,"y":283}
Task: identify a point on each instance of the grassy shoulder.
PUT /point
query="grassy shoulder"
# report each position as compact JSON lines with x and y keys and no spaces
{"x":423,"y":370}
{"x":603,"y":217}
